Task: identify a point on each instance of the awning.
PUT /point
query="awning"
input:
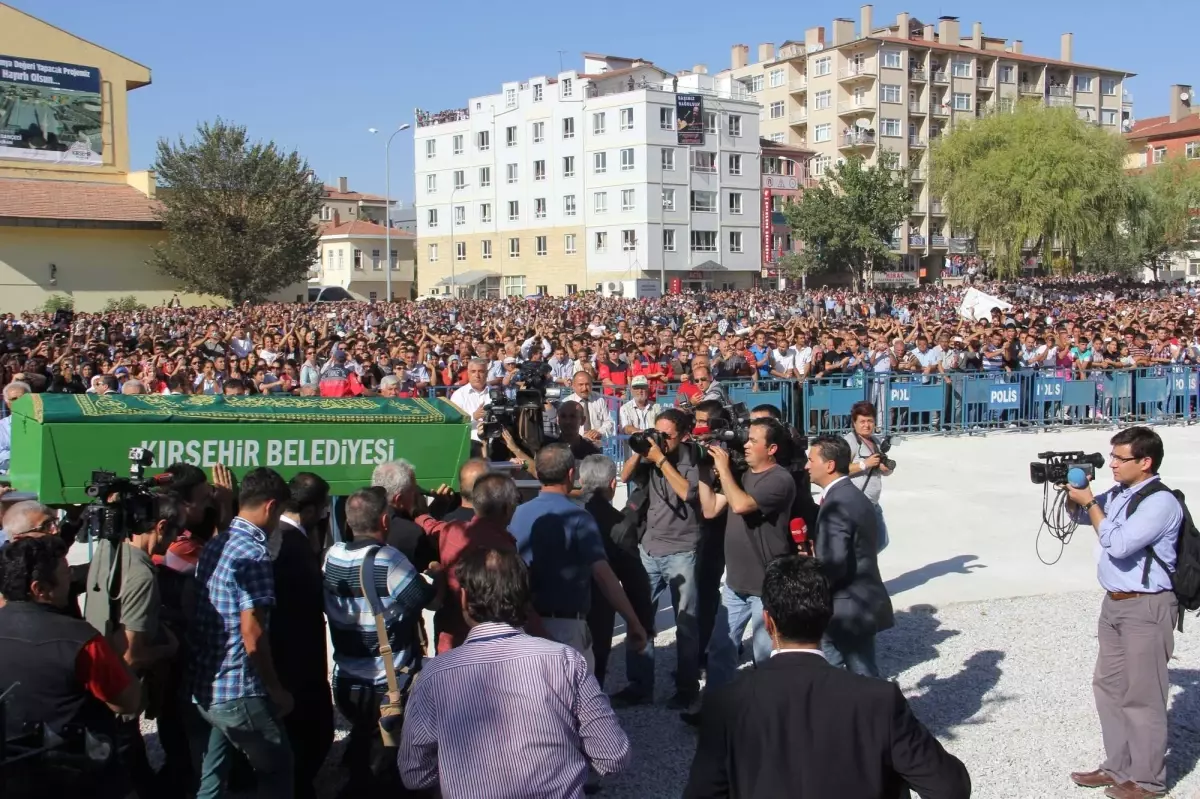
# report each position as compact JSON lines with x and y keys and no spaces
{"x":469,"y":278}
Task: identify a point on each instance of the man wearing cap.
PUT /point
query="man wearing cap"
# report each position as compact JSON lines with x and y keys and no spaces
{"x":639,"y":413}
{"x":473,"y":398}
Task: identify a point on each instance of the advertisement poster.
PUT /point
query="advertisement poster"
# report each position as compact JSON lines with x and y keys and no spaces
{"x":689,"y":118}
{"x":50,"y":111}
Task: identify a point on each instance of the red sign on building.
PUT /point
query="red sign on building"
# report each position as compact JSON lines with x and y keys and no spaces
{"x":676,"y":286}
{"x":766,"y":227}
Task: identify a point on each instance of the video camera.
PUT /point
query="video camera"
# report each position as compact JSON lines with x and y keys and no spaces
{"x":121,"y":506}
{"x":1053,"y":466}
{"x":730,"y":434}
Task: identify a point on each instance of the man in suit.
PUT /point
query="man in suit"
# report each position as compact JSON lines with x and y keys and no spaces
{"x":298,"y":627}
{"x":800,"y":728}
{"x":847,"y":547}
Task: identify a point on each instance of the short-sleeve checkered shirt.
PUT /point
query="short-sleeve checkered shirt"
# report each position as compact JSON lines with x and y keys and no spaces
{"x":234,"y":574}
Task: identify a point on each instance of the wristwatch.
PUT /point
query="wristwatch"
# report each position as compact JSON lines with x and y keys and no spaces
{"x":1089,"y":505}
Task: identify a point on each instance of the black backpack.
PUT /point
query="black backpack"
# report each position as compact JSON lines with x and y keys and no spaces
{"x":1185,"y":579}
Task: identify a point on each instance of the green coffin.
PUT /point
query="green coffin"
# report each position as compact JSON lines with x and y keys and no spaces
{"x":58,"y":440}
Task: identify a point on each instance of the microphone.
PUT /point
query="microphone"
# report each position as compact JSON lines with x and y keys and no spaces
{"x":1077,"y":478}
{"x":799,"y":530}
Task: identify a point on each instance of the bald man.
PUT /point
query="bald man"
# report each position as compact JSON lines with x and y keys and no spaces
{"x":468,"y":473}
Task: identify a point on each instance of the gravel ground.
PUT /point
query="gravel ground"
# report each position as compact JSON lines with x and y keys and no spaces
{"x":1005,"y":685}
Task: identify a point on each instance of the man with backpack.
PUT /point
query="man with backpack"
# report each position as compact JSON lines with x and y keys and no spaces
{"x":1147,"y":566}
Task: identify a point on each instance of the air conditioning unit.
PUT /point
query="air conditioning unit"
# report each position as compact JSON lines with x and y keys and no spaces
{"x":614,"y":288}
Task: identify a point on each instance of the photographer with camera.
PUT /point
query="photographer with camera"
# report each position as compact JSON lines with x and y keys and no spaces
{"x":665,"y":462}
{"x":869,"y":463}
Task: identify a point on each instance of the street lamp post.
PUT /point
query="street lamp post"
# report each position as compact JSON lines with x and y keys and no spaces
{"x":387,"y":209}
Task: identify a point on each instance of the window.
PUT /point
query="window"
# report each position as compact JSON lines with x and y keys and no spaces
{"x":358,"y":264}
{"x":666,"y":118}
{"x":339,"y":252}
{"x":510,"y":173}
{"x":485,"y":177}
{"x":460,"y":179}
{"x":539,"y":208}
{"x":735,"y":125}
{"x":460,"y":251}
{"x":539,"y":132}
{"x":569,"y":128}
{"x":704,"y":201}
{"x":703,"y":161}
{"x":539,"y":170}
{"x":962,"y":102}
{"x":433,"y":253}
{"x":891,"y":59}
{"x":704,"y":241}
{"x":626,"y":119}
{"x":431,"y":218}
{"x":569,"y":166}
{"x":460,"y":215}
{"x":710,"y":122}
{"x":1008,"y":74}
{"x":539,"y":245}
{"x":668,"y":159}
{"x":627,"y":159}
{"x":890,"y":127}
{"x":1192,"y":150}
{"x":1108,"y":116}
{"x":822,"y":132}
{"x":1086,"y":114}
{"x":735,"y":202}
{"x":601,"y":241}
{"x":537,"y":92}
{"x":820,"y":164}
{"x":822,"y":66}
{"x":778,"y":137}
{"x":776,"y":77}
{"x":431,"y":184}
{"x":326,"y":213}
{"x":1083,"y":83}
{"x":735,"y":241}
{"x":668,"y":199}
{"x":483,"y":140}
{"x":514,"y":210}
{"x":485,"y":213}
{"x":598,"y":123}
{"x":568,"y":87}
{"x":628,"y":240}
{"x":1108,"y":86}
{"x":376,"y":261}
{"x":735,"y":164}
{"x":668,"y":239}
{"x":1160,"y":155}
{"x":514,"y":285}
{"x":569,"y":205}
{"x":510,"y":136}
{"x":756,"y":83}
{"x":431,"y":148}
{"x":485,"y":249}
{"x":889,"y":93}
{"x":627,"y":199}
{"x":777,"y":109}
{"x":600,"y":163}
{"x":456,"y":144}
{"x":514,"y":248}
{"x":569,"y":249}
{"x":510,"y":97}
{"x":960,"y":68}
{"x":822,"y":99}
{"x":600,"y":202}
{"x":395,"y":260}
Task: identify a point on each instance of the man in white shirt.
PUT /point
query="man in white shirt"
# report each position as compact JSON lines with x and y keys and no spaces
{"x":639,"y":413}
{"x":598,"y":422}
{"x":804,"y":355}
{"x":474,"y":397}
{"x":783,"y":360}
{"x":12,"y":392}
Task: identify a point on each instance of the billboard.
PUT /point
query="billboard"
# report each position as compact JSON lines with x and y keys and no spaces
{"x":50,"y":111}
{"x":766,"y":227}
{"x":689,"y":118}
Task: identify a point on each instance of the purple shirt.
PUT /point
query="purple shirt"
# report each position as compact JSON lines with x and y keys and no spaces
{"x":508,"y":716}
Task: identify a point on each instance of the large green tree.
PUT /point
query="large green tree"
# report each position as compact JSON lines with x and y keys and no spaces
{"x":1037,"y":177}
{"x":846,"y":222}
{"x":239,"y":214}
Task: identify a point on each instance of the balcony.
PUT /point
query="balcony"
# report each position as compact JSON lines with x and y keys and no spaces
{"x":858,"y":139}
{"x":918,"y":209}
{"x":940,"y":109}
{"x":916,"y":241}
{"x":941,"y":77}
{"x":1029,"y":88}
{"x":938,"y":241}
{"x":1060,"y":91}
{"x":917,"y":174}
{"x":862,"y":71}
{"x":984,"y":83}
{"x":936,"y":208}
{"x":914,"y":107}
{"x":895,"y":243}
{"x":916,"y":141}
{"x":798,"y":85}
{"x":917,"y":75}
{"x":1059,"y":102}
{"x":798,"y":117}
{"x":850,"y":107}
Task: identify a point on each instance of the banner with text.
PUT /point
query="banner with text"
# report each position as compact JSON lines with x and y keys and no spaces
{"x":689,"y":118}
{"x":50,"y":111}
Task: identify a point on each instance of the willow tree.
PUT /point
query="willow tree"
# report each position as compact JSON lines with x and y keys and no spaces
{"x":1037,"y":178}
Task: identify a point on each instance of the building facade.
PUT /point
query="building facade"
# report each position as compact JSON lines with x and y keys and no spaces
{"x":897,"y":86}
{"x":568,"y":183}
{"x":350,"y":256}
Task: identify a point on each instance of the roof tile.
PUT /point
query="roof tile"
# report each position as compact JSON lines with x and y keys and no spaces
{"x":360,"y":228}
{"x":74,"y":199}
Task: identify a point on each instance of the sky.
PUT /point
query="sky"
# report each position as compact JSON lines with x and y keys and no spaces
{"x":314,"y":76}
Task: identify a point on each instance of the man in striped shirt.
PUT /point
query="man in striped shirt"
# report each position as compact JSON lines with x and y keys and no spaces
{"x":359,"y":675}
{"x":506,"y":714}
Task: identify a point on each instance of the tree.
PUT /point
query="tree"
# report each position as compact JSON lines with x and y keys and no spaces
{"x":238,"y":214}
{"x":1039,"y":175}
{"x":847,"y":221}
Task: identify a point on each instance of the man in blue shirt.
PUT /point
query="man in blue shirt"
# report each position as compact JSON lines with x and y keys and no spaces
{"x":762,"y":355}
{"x":1137,"y":616}
{"x":561,"y":543}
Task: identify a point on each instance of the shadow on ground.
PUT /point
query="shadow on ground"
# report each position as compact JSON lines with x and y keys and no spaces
{"x":959,"y":564}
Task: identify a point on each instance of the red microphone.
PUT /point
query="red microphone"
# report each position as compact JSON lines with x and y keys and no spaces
{"x":799,"y":530}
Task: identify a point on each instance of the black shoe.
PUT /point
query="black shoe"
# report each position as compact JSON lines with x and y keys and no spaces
{"x":629,"y":697}
{"x":682,"y":700}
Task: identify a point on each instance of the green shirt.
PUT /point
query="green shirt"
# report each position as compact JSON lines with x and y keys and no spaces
{"x":137,"y":601}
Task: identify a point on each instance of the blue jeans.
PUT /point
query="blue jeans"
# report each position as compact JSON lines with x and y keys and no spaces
{"x":736,"y":611}
{"x":677,"y":573}
{"x":250,"y":726}
{"x":856,"y":654}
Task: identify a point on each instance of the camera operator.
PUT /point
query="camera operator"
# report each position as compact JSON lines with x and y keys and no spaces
{"x":793,"y":458}
{"x":710,"y":555}
{"x":759,"y":505}
{"x":571,"y":417}
{"x":69,"y":675}
{"x":1137,"y":522}
{"x":668,"y":547}
{"x":123,"y":603}
{"x":868,"y":464}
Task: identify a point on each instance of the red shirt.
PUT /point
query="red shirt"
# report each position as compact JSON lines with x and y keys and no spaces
{"x":618,"y":373}
{"x":688,"y":390}
{"x":101,"y":670}
{"x":660,"y":367}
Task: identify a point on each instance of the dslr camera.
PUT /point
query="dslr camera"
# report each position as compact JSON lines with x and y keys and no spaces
{"x":121,"y":506}
{"x":640,"y":441}
{"x":885,"y":446}
{"x":1052,"y":467}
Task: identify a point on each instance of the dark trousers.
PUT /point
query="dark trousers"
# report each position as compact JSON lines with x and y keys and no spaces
{"x":310,"y":732}
{"x":710,"y":565}
{"x":601,"y":618}
{"x":372,"y":766}
{"x":131,"y":752}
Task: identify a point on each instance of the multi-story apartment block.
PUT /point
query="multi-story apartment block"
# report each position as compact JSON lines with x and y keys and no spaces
{"x":352,"y":205}
{"x":564,"y":183}
{"x":897,"y":86}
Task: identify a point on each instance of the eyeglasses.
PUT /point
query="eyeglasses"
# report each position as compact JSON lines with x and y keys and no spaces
{"x":1118,"y":459}
{"x":46,"y":526}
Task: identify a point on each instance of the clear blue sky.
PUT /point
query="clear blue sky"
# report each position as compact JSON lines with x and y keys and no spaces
{"x":315,"y":75}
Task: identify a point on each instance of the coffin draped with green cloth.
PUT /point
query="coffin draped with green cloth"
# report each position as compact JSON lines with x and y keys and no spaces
{"x":58,"y":440}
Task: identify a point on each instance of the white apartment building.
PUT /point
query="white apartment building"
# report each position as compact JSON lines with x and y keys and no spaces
{"x":561,"y":184}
